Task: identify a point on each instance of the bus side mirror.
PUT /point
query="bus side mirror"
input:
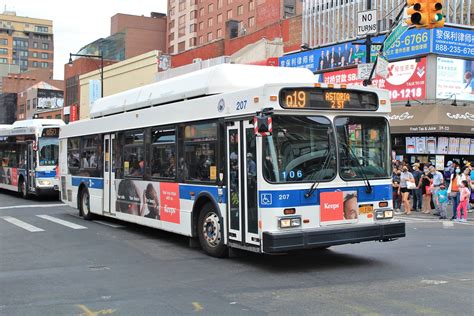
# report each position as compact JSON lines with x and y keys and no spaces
{"x":262,"y":125}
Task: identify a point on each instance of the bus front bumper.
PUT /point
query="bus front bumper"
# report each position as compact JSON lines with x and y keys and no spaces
{"x":274,"y":242}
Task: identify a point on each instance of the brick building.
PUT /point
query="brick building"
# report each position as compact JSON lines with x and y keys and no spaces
{"x":196,"y":22}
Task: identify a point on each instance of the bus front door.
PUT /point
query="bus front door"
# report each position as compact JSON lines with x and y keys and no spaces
{"x":109,"y":174}
{"x":242,"y":183}
{"x":30,"y":167}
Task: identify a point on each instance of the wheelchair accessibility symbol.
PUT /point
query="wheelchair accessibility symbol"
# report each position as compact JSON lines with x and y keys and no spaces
{"x":266,"y":199}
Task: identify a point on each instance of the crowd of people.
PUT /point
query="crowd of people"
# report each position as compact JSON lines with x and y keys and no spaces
{"x":421,"y":188}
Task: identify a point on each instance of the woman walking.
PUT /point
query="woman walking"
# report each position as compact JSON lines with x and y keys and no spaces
{"x":425,"y":184}
{"x":406,"y":177}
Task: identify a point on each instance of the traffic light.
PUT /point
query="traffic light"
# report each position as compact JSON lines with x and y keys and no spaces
{"x":436,"y":15}
{"x":418,"y":14}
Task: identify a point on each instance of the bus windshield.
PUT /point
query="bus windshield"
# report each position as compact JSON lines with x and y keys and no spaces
{"x":363,"y":147}
{"x":48,"y":151}
{"x":301,"y":149}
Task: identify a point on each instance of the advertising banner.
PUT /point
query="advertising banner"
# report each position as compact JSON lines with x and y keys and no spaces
{"x":453,"y":42}
{"x":339,"y":206}
{"x":454,"y":76}
{"x":405,"y":80}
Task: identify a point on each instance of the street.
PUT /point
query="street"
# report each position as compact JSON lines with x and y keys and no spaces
{"x":54,"y":263}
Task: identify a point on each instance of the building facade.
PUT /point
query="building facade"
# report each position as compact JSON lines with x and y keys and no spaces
{"x":131,"y":36}
{"x":26,"y":42}
{"x":194,"y":23}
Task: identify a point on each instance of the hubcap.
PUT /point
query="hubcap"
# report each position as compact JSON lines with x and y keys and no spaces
{"x":85,"y":203}
{"x":211,"y":229}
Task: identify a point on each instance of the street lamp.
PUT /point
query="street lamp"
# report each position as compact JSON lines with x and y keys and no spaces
{"x":101,"y":57}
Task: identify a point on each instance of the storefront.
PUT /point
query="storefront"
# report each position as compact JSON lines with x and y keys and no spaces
{"x":435,"y":133}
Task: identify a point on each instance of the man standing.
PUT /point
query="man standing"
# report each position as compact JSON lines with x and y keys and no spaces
{"x":438,"y":179}
{"x":417,"y":194}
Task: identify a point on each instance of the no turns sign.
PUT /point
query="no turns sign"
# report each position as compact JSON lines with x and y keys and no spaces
{"x":366,"y":22}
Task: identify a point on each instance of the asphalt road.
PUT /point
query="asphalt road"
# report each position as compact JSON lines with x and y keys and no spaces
{"x":108,"y":267}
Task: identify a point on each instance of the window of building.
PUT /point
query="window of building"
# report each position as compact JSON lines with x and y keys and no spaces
{"x":219,"y":18}
{"x":171,"y":24}
{"x":35,"y":44}
{"x":44,"y":56}
{"x":181,"y":46}
{"x":193,"y":14}
{"x":34,"y":54}
{"x":19,"y":43}
{"x":171,"y":11}
{"x":57,"y":116}
{"x":23,"y":53}
{"x":200,"y":145}
{"x":219,"y":4}
{"x":35,"y":64}
{"x":182,"y":25}
{"x":45,"y":46}
{"x":210,"y":8}
{"x":3,"y":51}
{"x":251,"y":22}
{"x":163,"y":153}
{"x":251,"y":5}
{"x":229,"y":14}
{"x":219,"y":33}
{"x":209,"y":22}
{"x":44,"y":65}
{"x":209,"y":36}
{"x":49,"y":117}
{"x":193,"y":28}
{"x":240,"y":10}
{"x":192,"y":42}
{"x":229,"y":1}
{"x":171,"y":37}
{"x":201,"y":26}
{"x":133,"y":154}
{"x":182,"y":5}
{"x":28,"y":105}
{"x":201,"y":40}
{"x":42,"y":29}
{"x":171,"y":50}
{"x":3,"y":41}
{"x":193,"y":2}
{"x":201,"y":12}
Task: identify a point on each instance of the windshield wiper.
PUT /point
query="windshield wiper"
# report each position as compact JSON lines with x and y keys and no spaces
{"x":315,"y":184}
{"x":368,"y":187}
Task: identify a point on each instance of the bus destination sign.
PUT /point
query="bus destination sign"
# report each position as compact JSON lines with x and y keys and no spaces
{"x":328,"y":99}
{"x":50,"y":132}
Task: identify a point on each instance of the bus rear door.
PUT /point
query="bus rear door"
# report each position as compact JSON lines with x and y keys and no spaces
{"x":109,"y":174}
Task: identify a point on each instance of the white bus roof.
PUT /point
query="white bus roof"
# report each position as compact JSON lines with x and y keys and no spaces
{"x":213,"y":80}
{"x":28,"y":127}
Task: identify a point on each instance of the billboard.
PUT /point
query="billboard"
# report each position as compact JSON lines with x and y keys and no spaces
{"x":406,"y":79}
{"x":454,"y":77}
{"x":50,"y":99}
{"x":453,"y":42}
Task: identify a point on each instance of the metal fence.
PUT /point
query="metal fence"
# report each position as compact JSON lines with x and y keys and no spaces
{"x":327,"y":22}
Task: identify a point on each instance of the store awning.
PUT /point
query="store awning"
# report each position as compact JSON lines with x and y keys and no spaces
{"x":432,"y":118}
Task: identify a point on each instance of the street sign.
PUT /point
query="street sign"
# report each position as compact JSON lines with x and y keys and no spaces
{"x":396,"y":33}
{"x":382,"y":67}
{"x":363,"y":71}
{"x":366,"y":22}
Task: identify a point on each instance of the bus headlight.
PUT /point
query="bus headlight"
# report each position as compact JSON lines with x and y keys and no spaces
{"x":383,"y":214}
{"x":44,"y":182}
{"x":289,"y":222}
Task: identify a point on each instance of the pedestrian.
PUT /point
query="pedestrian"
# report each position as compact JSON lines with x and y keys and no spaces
{"x":425,"y":184}
{"x":453,"y":189}
{"x":448,"y":171}
{"x":442,"y":197}
{"x":417,"y":194}
{"x":406,"y":177}
{"x":463,"y":200}
{"x":397,"y":198}
{"x":438,"y":179}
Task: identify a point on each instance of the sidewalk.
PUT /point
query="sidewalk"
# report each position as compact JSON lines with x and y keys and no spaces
{"x":419,"y":215}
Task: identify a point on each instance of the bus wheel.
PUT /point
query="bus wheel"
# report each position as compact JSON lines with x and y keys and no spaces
{"x":23,"y":189}
{"x":84,"y":205}
{"x":210,"y":232}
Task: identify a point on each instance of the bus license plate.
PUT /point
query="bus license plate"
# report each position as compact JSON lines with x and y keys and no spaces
{"x":366,"y":208}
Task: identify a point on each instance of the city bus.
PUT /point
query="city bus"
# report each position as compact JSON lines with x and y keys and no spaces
{"x":238,"y":157}
{"x":29,"y":152}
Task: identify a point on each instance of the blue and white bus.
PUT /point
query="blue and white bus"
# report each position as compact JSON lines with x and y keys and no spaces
{"x":29,"y":152}
{"x":236,"y":156}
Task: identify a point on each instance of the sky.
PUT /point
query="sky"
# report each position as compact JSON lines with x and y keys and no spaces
{"x":78,"y":23}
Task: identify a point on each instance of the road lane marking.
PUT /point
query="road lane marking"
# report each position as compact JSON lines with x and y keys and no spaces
{"x":197,"y":307}
{"x":88,"y":312}
{"x":22,"y":224}
{"x":30,"y":206}
{"x":61,"y":222}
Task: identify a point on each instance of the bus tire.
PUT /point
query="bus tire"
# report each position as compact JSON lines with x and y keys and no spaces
{"x":22,"y":188}
{"x":210,"y":232}
{"x":84,"y":204}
